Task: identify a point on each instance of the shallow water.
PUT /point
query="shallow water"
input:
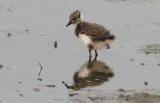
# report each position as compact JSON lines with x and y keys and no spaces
{"x":42,"y":61}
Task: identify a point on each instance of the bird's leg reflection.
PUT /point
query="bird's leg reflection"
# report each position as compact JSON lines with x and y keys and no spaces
{"x":89,"y":60}
{"x":95,"y":58}
{"x":96,"y":54}
{"x":91,"y":73}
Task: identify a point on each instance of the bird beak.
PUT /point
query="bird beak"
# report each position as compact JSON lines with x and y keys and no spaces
{"x":68,"y":24}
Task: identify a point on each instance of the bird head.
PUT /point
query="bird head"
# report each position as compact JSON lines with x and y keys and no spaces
{"x":74,"y":18}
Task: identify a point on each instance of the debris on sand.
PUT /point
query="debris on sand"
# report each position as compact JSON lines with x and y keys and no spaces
{"x":36,"y":89}
{"x":158,"y":64}
{"x":145,"y":83}
{"x":55,"y":44}
{"x":27,"y":30}
{"x":21,"y":95}
{"x":1,"y":66}
{"x":50,"y":85}
{"x":9,"y":35}
{"x":40,"y":79}
{"x":121,"y":90}
{"x":40,"y":69}
{"x":19,"y":82}
{"x":132,"y":60}
{"x":142,"y":63}
{"x":73,"y":94}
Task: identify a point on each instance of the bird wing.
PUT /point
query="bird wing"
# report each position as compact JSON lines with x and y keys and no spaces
{"x":94,"y":30}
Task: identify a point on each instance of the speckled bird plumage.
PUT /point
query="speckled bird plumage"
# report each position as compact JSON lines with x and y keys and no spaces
{"x":95,"y":31}
{"x":94,"y":36}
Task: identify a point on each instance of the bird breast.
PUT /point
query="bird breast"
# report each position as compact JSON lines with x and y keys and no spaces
{"x":85,"y":39}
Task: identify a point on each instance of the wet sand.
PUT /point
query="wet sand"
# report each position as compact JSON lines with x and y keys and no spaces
{"x":42,"y":61}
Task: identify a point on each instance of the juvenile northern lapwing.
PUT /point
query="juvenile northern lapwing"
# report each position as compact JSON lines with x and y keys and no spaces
{"x":94,"y":36}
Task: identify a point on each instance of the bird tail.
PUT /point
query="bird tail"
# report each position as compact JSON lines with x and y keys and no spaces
{"x":111,"y":37}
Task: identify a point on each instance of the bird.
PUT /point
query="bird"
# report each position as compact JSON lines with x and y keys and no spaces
{"x":94,"y":36}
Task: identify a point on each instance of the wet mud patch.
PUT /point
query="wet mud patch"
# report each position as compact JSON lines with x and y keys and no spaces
{"x":129,"y":1}
{"x":119,"y":96}
{"x":141,"y":97}
{"x":150,"y":49}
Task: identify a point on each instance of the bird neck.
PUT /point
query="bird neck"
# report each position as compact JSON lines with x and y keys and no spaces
{"x":80,"y":21}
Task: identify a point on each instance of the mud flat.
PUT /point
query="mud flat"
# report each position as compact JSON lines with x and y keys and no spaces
{"x":151,"y":49}
{"x":41,"y":61}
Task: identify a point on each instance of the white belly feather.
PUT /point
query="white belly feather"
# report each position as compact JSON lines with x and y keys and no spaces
{"x":101,"y":44}
{"x":96,"y":45}
{"x":85,"y":39}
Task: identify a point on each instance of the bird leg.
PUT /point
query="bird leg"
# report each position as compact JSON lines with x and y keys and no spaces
{"x":96,"y":54}
{"x":90,"y":55}
{"x":90,"y":49}
{"x":89,"y":59}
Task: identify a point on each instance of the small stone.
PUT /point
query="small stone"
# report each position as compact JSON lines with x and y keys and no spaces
{"x":145,"y":83}
{"x":148,"y":52}
{"x":27,"y":30}
{"x":9,"y":35}
{"x":36,"y":89}
{"x":19,"y":82}
{"x":55,"y":44}
{"x":40,"y":79}
{"x":121,"y":90}
{"x":1,"y":66}
{"x":142,"y":63}
{"x":21,"y":95}
{"x":131,"y":60}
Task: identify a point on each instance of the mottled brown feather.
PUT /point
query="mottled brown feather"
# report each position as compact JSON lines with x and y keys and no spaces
{"x":92,"y":29}
{"x":95,"y":31}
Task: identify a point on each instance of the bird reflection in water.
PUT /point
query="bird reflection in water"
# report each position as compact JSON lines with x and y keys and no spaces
{"x":92,"y":73}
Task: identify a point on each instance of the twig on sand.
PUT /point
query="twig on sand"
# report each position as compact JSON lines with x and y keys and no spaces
{"x":40,"y":69}
{"x":50,"y":85}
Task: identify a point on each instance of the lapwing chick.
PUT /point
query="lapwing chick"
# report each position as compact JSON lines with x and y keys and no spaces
{"x":94,"y":36}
